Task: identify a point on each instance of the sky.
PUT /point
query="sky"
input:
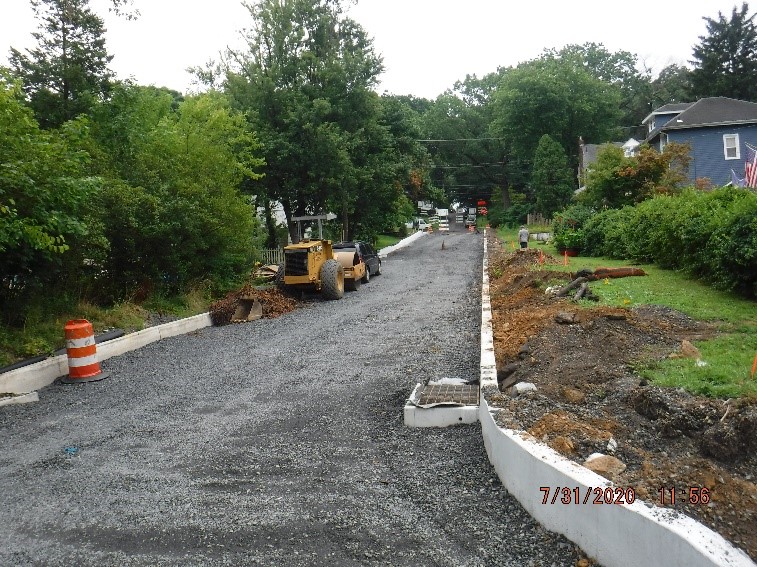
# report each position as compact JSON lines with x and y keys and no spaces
{"x":426,"y":45}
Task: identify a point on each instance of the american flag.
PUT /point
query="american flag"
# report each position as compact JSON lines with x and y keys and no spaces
{"x":750,"y":167}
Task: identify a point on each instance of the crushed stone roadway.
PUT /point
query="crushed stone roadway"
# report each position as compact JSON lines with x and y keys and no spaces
{"x":278,"y":442}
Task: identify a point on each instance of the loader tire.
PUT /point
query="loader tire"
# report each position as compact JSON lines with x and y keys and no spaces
{"x":332,"y":279}
{"x":279,"y":278}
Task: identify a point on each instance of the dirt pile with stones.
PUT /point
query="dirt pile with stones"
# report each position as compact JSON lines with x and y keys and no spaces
{"x":273,"y":301}
{"x":590,"y":400}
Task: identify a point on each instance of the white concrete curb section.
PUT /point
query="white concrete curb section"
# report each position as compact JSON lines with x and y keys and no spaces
{"x":22,"y":399}
{"x":36,"y":376}
{"x":384,"y":252}
{"x":616,"y":535}
{"x":440,"y":416}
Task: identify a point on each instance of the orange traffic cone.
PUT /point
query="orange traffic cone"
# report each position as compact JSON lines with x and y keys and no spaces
{"x":82,"y":353}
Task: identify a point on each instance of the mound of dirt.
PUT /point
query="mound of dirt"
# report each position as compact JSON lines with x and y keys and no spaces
{"x":589,"y":400}
{"x":274,"y":303}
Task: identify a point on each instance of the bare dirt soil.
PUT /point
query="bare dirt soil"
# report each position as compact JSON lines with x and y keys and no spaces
{"x":274,"y":302}
{"x":588,"y":396}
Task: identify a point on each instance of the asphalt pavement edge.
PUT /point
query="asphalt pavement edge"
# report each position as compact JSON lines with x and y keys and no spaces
{"x":616,"y":535}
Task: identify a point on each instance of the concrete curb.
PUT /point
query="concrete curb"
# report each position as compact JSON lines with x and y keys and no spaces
{"x":36,"y":376}
{"x":21,"y":399}
{"x":384,"y":252}
{"x":616,"y":535}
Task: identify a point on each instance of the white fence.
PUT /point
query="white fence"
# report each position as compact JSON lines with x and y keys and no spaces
{"x":272,"y":256}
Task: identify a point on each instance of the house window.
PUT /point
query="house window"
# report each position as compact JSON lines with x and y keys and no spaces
{"x":663,"y":142}
{"x":731,"y":148}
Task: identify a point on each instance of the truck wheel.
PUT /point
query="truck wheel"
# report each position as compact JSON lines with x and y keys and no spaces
{"x":378,"y":271}
{"x":367,"y":276}
{"x":332,"y":279}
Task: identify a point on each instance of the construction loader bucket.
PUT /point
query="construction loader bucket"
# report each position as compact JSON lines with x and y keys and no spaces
{"x":248,"y":309}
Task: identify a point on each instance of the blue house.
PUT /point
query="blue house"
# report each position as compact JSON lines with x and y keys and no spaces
{"x":717,"y":129}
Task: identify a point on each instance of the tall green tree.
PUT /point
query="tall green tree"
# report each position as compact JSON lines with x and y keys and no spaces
{"x":725,"y":60}
{"x":672,"y":84}
{"x":44,"y":195}
{"x":68,"y":70}
{"x":620,"y":69}
{"x":552,"y":178}
{"x":557,"y":97}
{"x":171,"y":208}
{"x":305,"y":80}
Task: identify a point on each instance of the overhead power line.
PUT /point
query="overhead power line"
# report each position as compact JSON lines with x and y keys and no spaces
{"x":466,"y":165}
{"x":460,"y":140}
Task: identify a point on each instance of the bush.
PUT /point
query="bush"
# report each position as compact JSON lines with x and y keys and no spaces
{"x":709,"y":235}
{"x":572,"y":217}
{"x":569,"y":239}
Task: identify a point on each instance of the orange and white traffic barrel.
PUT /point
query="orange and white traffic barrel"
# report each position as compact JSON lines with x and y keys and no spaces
{"x":82,"y":353}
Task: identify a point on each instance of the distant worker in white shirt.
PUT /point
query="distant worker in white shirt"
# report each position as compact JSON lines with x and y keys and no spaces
{"x":523,"y":237}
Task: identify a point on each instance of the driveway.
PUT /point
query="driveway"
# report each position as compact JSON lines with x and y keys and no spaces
{"x":278,"y":442}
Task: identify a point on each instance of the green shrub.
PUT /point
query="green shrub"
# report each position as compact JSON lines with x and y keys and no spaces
{"x":709,"y":235}
{"x":569,"y":239}
{"x":571,"y":218}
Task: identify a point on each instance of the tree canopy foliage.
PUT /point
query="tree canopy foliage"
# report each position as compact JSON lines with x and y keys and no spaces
{"x":305,"y":81}
{"x":725,"y":60}
{"x":68,"y":70}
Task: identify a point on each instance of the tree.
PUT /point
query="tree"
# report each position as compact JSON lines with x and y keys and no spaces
{"x":673,"y":84}
{"x":68,"y":70}
{"x":556,"y":97}
{"x":552,"y":178}
{"x":725,"y":60}
{"x":619,"y":69}
{"x":171,"y":207}
{"x":44,"y":195}
{"x":615,"y":180}
{"x":305,"y":82}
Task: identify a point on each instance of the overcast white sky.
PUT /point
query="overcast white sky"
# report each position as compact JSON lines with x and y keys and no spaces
{"x":426,"y":44}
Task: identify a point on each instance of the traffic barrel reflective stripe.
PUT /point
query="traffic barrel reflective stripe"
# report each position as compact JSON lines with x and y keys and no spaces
{"x":82,"y":352}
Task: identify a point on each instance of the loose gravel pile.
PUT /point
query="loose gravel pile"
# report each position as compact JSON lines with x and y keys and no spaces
{"x":277,"y":442}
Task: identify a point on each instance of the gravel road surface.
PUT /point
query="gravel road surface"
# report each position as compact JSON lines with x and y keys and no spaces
{"x":278,"y":442}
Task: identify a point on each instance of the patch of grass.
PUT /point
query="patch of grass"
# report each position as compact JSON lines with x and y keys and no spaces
{"x":43,"y":331}
{"x":384,"y":240}
{"x":724,"y":370}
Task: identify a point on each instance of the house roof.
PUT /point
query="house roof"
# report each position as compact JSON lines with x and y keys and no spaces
{"x":713,"y":111}
{"x":673,"y":108}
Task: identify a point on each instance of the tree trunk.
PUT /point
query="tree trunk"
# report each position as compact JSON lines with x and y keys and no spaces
{"x":291,"y":225}
{"x":270,"y":223}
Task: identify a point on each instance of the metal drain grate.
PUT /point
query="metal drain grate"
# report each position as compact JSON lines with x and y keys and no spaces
{"x":449,"y":394}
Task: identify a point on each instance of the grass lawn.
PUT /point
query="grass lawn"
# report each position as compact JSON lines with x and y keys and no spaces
{"x":384,"y":240}
{"x":43,"y":331}
{"x":728,"y":357}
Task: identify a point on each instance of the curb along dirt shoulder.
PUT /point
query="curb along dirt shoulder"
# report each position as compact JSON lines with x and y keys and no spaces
{"x":616,"y":535}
